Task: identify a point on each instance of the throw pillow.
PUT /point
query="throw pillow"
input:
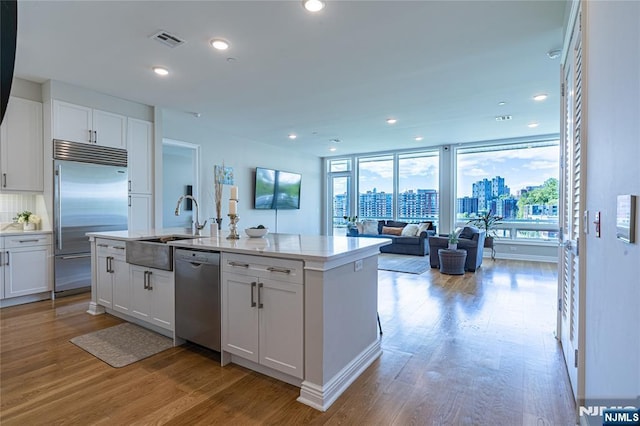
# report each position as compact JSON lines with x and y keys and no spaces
{"x":468,"y":232}
{"x":360,"y":227}
{"x":423,"y":226}
{"x":410,"y":230}
{"x":389,"y":230}
{"x":370,"y":227}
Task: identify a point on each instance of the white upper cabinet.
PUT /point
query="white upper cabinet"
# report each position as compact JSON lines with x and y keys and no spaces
{"x":140,"y":154}
{"x":78,"y":123}
{"x":21,"y":146}
{"x":109,"y":129}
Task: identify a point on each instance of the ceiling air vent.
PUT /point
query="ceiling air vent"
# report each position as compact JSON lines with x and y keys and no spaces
{"x":167,"y":39}
{"x":503,"y":118}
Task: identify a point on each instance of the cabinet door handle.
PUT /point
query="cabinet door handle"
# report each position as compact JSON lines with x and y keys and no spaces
{"x":111,"y":264}
{"x":129,"y":185}
{"x":241,"y":265}
{"x":283,"y":270}
{"x":129,"y":200}
{"x":144,"y":281}
{"x":253,"y":302}
{"x":149,"y":286}
{"x":4,"y":180}
{"x":8,"y":254}
{"x":95,"y":136}
{"x":90,"y":136}
{"x":106,"y":264}
{"x":260,"y":285}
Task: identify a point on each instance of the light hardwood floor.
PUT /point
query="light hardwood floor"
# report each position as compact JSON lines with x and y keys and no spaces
{"x":477,"y":349}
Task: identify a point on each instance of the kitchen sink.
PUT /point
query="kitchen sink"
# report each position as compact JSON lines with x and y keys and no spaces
{"x":153,"y":252}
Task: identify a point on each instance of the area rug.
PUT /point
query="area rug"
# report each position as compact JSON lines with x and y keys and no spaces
{"x":403,"y":263}
{"x":122,"y":344}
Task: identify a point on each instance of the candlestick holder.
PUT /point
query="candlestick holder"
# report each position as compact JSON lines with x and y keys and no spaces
{"x":233,"y":229}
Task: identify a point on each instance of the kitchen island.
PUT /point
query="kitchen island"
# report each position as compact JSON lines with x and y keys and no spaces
{"x":300,"y":308}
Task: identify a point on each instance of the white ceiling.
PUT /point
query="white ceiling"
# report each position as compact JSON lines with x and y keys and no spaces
{"x":439,"y":67}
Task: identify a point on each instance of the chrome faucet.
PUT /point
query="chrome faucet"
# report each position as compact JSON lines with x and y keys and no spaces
{"x":195,"y":203}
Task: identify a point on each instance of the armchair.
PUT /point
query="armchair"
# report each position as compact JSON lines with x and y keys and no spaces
{"x":470,"y":239}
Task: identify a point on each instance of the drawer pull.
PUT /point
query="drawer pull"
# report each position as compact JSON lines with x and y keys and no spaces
{"x":118,"y":248}
{"x":253,"y":302}
{"x":282,"y":270}
{"x":240,"y":265}
{"x":260,"y":305}
{"x":29,"y":241}
{"x":103,"y":245}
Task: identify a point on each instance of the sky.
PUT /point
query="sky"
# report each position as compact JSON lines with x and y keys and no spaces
{"x":519,"y":168}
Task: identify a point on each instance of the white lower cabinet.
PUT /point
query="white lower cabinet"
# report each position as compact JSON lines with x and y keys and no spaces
{"x":262,"y":307}
{"x":113,"y":275}
{"x":26,"y":264}
{"x":152,"y":296}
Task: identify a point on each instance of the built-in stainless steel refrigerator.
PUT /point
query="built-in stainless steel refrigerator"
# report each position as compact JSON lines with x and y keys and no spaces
{"x":90,"y":195}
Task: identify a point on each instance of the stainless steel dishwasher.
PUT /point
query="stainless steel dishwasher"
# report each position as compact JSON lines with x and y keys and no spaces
{"x":198,"y":297}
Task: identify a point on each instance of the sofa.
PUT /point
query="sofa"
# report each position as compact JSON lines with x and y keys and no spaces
{"x":470,"y":239}
{"x":406,"y":238}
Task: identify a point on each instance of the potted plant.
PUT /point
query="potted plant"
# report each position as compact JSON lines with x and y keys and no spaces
{"x":453,"y":240}
{"x":487,"y":221}
{"x":351,"y":222}
{"x":28,"y":220}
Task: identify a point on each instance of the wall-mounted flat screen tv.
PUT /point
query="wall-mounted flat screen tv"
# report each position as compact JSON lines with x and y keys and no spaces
{"x":277,"y":189}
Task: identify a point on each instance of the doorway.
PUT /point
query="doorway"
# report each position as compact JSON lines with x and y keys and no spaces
{"x":180,"y":172}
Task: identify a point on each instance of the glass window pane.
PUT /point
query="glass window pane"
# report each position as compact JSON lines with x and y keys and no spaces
{"x":375,"y":186}
{"x":341,"y":165}
{"x":341,"y":203}
{"x":518,"y":182}
{"x":418,"y":186}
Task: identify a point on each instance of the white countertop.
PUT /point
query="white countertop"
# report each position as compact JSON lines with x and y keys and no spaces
{"x":12,"y":232}
{"x":311,"y":248}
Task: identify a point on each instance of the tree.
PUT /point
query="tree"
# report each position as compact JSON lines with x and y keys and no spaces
{"x":546,"y":195}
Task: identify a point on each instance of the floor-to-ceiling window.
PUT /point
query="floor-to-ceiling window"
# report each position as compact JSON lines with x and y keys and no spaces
{"x":418,"y":183}
{"x":375,"y":187}
{"x":340,"y":194}
{"x":518,"y":182}
{"x":400,"y":186}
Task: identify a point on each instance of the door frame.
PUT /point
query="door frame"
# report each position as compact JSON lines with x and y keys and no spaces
{"x":574,"y":32}
{"x":196,"y":167}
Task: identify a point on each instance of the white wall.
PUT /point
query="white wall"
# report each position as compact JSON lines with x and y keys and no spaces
{"x":612,"y":357}
{"x":244,"y":156}
{"x":177,"y":171}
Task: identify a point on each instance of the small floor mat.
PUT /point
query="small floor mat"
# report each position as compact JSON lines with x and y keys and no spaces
{"x":122,"y":344}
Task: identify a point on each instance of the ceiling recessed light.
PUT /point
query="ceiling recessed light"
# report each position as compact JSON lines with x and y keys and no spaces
{"x":540,"y":97}
{"x":332,"y":149}
{"x":533,"y":125}
{"x":220,"y":44}
{"x":160,"y":70}
{"x":391,"y":121}
{"x":502,"y":103}
{"x":292,"y":136}
{"x":313,"y":5}
{"x":418,"y":138}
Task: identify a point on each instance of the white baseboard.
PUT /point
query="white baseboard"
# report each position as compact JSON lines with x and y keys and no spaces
{"x":321,"y":397}
{"x":21,"y":300}
{"x":528,"y":257}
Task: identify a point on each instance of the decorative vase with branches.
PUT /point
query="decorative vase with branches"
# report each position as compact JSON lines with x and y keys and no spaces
{"x":218,"y":183}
